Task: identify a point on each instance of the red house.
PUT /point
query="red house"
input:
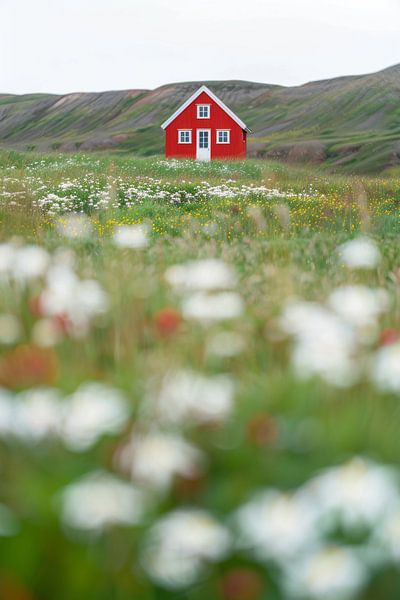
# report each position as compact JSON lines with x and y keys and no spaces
{"x":205,"y":128}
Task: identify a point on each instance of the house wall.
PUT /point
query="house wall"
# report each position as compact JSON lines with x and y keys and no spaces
{"x":219,"y":119}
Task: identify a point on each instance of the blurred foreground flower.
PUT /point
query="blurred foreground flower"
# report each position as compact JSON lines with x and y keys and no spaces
{"x":60,"y":295}
{"x":74,"y":300}
{"x":295,"y":530}
{"x":242,"y":584}
{"x":30,"y":262}
{"x":74,"y":226}
{"x":167,"y":321}
{"x":190,"y":396}
{"x":156,"y":458}
{"x":93,"y":410}
{"x":262,"y":430}
{"x":213,"y":307}
{"x":331,"y":341}
{"x":202,"y":283}
{"x":386,"y":368}
{"x":358,"y":493}
{"x":79,"y":420}
{"x":360,"y":253}
{"x":388,"y":336}
{"x":28,"y":366}
{"x":386,"y":537}
{"x":277,"y":526}
{"x":359,"y":305}
{"x":201,"y":275}
{"x":36,"y":414}
{"x":180,"y":545}
{"x":329,"y":573}
{"x":100,"y":500}
{"x":324,"y":344}
{"x":131,"y":236}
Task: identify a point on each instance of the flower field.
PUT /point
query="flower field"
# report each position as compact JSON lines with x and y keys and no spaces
{"x":199,"y":381}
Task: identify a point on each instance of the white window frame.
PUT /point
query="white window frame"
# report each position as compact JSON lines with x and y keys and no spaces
{"x":180,"y":131}
{"x":208,"y":106}
{"x":228,"y":131}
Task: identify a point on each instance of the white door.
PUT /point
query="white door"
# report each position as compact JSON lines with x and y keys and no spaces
{"x":203,"y":144}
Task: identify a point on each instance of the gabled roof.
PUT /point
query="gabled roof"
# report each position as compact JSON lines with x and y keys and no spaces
{"x":205,"y":89}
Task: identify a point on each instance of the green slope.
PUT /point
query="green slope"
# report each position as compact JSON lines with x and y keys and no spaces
{"x":349,"y":123}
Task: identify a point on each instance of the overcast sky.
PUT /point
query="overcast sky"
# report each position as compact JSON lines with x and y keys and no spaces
{"x":89,"y":45}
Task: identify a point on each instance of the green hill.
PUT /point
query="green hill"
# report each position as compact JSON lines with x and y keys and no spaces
{"x":349,"y":123}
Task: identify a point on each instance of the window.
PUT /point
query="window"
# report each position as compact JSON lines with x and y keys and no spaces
{"x":223,"y":136}
{"x":185,"y":136}
{"x":203,"y":111}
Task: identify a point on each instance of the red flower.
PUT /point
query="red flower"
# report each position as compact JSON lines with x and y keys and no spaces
{"x":62,"y":322}
{"x":167,"y":321}
{"x":388,"y":336}
{"x":12,"y":588}
{"x":242,"y":584}
{"x":262,"y":430}
{"x":187,"y":487}
{"x":35,"y":306}
{"x":28,"y":366}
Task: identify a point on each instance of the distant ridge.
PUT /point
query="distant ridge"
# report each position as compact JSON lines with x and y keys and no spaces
{"x":350,"y":123}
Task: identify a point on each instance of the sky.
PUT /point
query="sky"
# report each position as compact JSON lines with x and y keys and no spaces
{"x":66,"y":46}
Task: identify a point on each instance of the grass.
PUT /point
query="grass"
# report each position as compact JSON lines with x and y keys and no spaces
{"x":279,"y":229}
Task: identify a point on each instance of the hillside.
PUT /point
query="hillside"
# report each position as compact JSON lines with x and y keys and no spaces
{"x":351,"y":123}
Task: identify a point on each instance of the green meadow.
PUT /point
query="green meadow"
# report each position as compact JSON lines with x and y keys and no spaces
{"x":199,"y":380}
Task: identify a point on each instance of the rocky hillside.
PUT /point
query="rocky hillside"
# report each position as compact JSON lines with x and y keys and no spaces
{"x":351,"y":123}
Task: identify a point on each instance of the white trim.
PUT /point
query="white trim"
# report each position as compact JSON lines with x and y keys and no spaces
{"x":192,"y":98}
{"x":228,"y":131}
{"x":189,"y":131}
{"x":202,"y":106}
